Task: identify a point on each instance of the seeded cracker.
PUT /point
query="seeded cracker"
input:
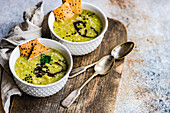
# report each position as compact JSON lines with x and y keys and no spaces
{"x":25,"y":49}
{"x":63,"y":12}
{"x":75,"y":5}
{"x":38,"y":50}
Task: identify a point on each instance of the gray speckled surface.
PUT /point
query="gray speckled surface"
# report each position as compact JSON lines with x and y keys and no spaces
{"x":145,"y":82}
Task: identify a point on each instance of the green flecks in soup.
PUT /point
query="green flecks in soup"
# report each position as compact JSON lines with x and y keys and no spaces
{"x":41,"y":70}
{"x":80,"y":28}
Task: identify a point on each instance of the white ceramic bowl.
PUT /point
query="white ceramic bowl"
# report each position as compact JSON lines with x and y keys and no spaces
{"x":81,"y":48}
{"x":42,"y":90}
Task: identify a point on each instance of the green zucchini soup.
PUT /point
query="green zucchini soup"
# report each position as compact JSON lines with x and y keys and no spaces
{"x":80,"y":28}
{"x":46,"y":68}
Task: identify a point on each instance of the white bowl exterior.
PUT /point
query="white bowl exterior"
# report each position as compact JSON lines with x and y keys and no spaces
{"x":42,"y":90}
{"x":81,"y":48}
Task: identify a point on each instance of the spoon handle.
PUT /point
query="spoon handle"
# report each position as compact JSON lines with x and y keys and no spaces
{"x":77,"y":71}
{"x":70,"y":98}
{"x":80,"y":70}
{"x":88,"y":80}
{"x":74,"y":94}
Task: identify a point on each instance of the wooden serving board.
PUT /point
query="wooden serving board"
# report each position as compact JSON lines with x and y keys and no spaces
{"x":98,"y":96}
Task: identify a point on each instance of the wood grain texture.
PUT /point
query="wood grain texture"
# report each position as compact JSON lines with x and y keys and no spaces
{"x":98,"y":96}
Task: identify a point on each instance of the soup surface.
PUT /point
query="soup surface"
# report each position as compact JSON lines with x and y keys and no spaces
{"x":46,"y":68}
{"x":80,"y":28}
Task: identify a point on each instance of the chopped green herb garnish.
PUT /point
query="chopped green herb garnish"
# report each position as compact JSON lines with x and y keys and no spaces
{"x":45,"y":59}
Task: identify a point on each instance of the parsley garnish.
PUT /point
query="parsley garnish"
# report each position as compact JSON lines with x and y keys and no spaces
{"x":45,"y":59}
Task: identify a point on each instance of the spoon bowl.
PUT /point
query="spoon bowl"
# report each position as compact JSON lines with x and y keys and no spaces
{"x":104,"y":65}
{"x":122,"y":50}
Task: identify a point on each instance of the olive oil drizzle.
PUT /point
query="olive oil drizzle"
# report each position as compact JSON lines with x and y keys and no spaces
{"x":39,"y":72}
{"x":85,"y":34}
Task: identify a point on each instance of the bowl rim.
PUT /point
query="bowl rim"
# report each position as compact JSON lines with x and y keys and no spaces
{"x":101,"y":34}
{"x":48,"y":85}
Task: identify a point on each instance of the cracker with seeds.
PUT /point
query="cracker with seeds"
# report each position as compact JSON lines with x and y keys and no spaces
{"x":64,"y":12}
{"x":26,"y":48}
{"x":75,"y":5}
{"x":38,"y":50}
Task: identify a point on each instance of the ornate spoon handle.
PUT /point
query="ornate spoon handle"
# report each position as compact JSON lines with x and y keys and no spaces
{"x":80,"y":70}
{"x":77,"y":71}
{"x":70,"y":98}
{"x":74,"y":94}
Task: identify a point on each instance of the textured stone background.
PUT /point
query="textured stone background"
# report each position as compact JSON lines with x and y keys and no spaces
{"x":145,"y":82}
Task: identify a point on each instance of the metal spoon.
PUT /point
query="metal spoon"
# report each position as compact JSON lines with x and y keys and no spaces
{"x":118,"y":52}
{"x":102,"y":67}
